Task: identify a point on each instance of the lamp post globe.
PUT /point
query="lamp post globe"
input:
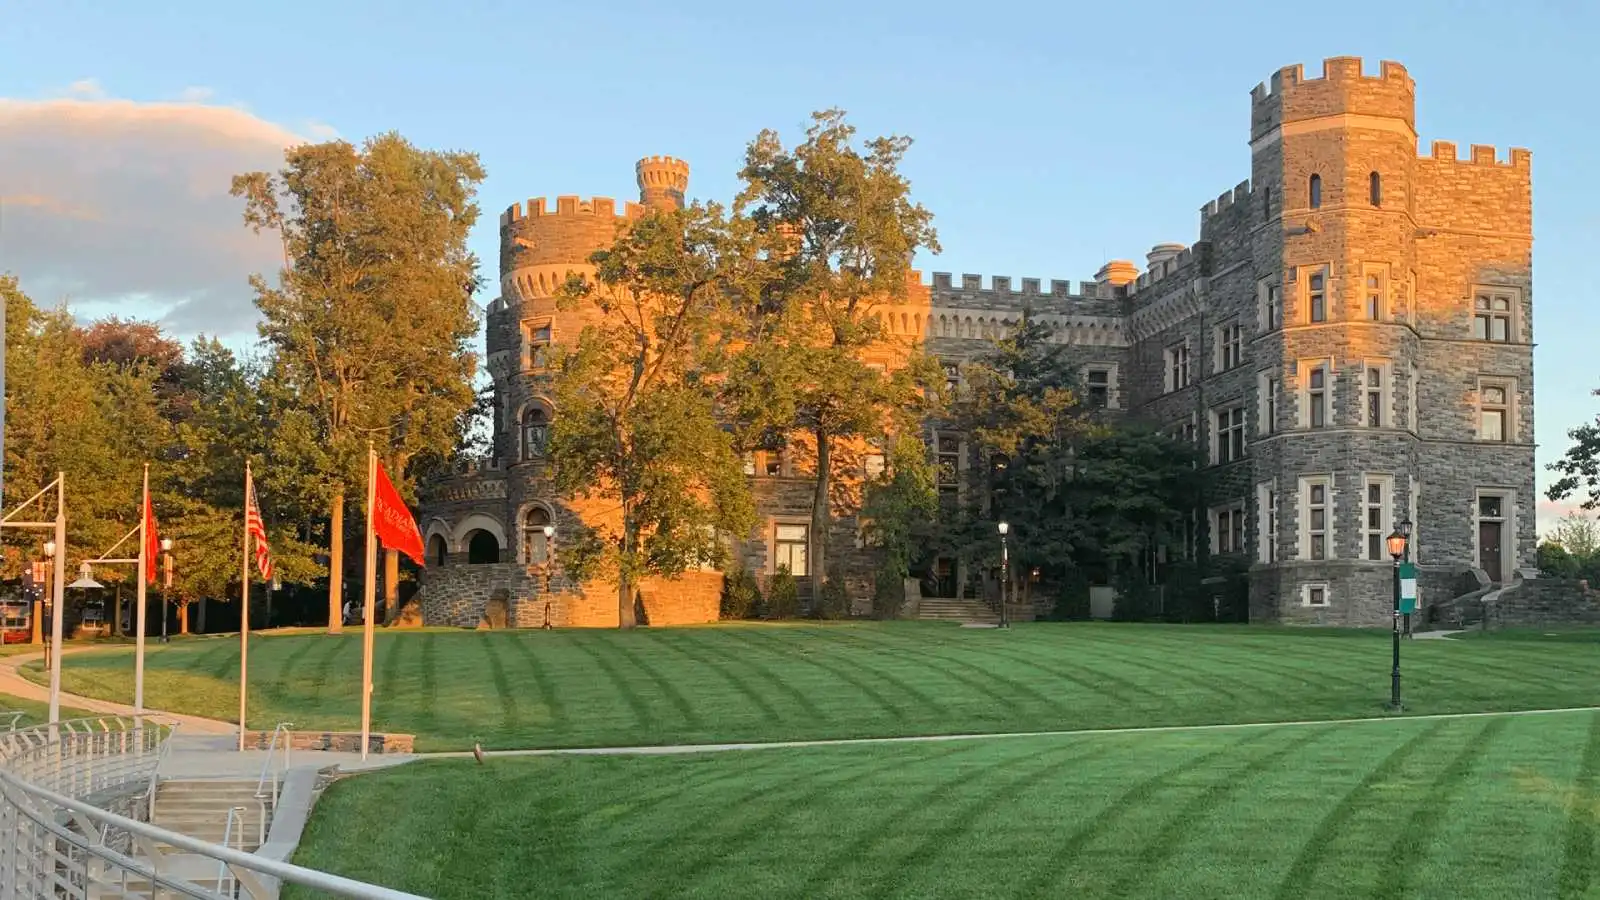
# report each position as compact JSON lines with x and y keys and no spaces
{"x":1005,"y":572}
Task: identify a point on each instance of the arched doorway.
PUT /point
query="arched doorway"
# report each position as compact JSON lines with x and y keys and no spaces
{"x":482,"y":548}
{"x":437,"y":550}
{"x":535,"y":545}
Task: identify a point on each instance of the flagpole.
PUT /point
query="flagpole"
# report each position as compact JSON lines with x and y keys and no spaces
{"x":244,"y":604}
{"x":144,"y":553}
{"x":58,"y":598}
{"x":371,"y":596}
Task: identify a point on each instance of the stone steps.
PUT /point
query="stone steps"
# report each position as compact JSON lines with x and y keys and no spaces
{"x":944,"y":609}
{"x":199,"y":809}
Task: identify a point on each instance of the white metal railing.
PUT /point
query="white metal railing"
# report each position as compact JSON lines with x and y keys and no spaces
{"x":9,"y":719}
{"x":58,"y":839}
{"x":235,"y":815}
{"x":267,"y":768}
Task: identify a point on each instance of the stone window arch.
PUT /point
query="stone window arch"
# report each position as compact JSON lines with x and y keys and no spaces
{"x":535,"y":543}
{"x":438,"y":549}
{"x":1315,"y":188}
{"x":535,"y":431}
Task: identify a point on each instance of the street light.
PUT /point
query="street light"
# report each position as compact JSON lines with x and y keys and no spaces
{"x":1397,"y":542}
{"x":1405,"y":529}
{"x":1005,"y":572}
{"x":166,"y":586}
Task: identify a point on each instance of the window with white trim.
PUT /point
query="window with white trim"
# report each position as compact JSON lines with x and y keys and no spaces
{"x":1375,"y":280}
{"x":1314,"y":595}
{"x":1375,"y":394}
{"x":1316,"y":517}
{"x":1269,"y":304}
{"x":1494,"y":410}
{"x":1269,"y":390}
{"x":1377,"y":501}
{"x":1314,"y":294}
{"x":873,"y":462}
{"x":1227,"y":528}
{"x":1177,"y":366}
{"x":749,"y":463}
{"x":1184,"y":430}
{"x":789,"y":545}
{"x":1230,"y":346}
{"x":1267,"y":522}
{"x":1494,"y":311}
{"x":1227,"y":425}
{"x":1411,"y":401}
{"x":1316,"y":397}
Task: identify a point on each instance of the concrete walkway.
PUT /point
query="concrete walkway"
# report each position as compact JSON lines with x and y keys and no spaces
{"x":678,"y":749}
{"x":12,"y":682}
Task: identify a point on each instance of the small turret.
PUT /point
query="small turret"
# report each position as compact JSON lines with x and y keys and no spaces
{"x":1116,"y":273}
{"x":662,"y":181}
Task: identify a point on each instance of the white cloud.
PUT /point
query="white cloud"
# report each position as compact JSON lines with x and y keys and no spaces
{"x":124,"y":206}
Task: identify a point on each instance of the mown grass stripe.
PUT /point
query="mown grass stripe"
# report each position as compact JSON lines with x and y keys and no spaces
{"x":1063,"y":855}
{"x":1114,"y":690}
{"x":734,"y":682}
{"x":1160,"y":846}
{"x":755,"y":665}
{"x":751,"y":636}
{"x":427,"y":718}
{"x":691,"y":715}
{"x":1303,"y":870}
{"x":1583,"y":810}
{"x":984,"y":680}
{"x":510,"y":712}
{"x":714,"y":845}
{"x":1409,"y":848}
{"x":544,"y":683}
{"x":322,"y":667}
{"x":642,"y":713}
{"x":962,"y":820}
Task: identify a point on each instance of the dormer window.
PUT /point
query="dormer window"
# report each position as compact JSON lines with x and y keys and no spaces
{"x":1316,"y":192}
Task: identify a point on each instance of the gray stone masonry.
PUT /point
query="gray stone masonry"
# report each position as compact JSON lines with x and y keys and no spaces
{"x":1377,"y":254}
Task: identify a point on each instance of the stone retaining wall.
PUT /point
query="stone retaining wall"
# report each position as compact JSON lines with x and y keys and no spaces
{"x":1546,"y":601}
{"x":336,"y":741}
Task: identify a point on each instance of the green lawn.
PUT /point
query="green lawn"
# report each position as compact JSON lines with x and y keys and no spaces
{"x":514,"y":689}
{"x":1460,"y":808}
{"x":34,"y":712}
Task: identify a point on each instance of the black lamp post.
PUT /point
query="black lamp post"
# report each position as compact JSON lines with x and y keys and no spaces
{"x":1005,"y":574}
{"x":166,"y":586}
{"x":1397,"y":541}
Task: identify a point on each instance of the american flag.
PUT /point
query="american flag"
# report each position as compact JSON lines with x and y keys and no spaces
{"x":256,"y":528}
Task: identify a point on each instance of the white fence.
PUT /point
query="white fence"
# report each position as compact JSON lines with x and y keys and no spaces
{"x":72,"y":797}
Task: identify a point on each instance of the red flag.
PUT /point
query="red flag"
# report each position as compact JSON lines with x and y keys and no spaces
{"x":152,"y":543}
{"x":396,"y":529}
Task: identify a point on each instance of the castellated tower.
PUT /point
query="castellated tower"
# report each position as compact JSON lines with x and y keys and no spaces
{"x":662,"y":181}
{"x":1385,"y":394}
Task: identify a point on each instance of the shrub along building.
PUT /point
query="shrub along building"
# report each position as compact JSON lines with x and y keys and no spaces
{"x":1350,"y":338}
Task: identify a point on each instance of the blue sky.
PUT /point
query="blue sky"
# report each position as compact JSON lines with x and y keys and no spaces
{"x":1049,"y":138}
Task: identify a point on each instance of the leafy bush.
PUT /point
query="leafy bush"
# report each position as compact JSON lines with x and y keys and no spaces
{"x":1072,"y":596}
{"x":741,"y":595}
{"x":888,"y":594}
{"x":783,"y":595}
{"x":835,"y":600}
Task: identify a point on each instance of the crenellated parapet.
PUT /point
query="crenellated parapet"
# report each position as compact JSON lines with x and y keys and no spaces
{"x":569,"y":205}
{"x":1344,"y":89}
{"x":1480,"y":155}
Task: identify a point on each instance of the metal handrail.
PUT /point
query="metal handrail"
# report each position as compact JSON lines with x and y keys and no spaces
{"x":266,"y":764}
{"x":236,"y":814}
{"x":155,"y":773}
{"x":10,"y":717}
{"x":53,"y":844}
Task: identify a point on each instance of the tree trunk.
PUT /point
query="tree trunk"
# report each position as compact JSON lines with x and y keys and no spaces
{"x":817,"y":562}
{"x":336,"y":565}
{"x":202,"y":617}
{"x":391,"y":584}
{"x":116,"y":611}
{"x":183,"y":618}
{"x":625,"y":582}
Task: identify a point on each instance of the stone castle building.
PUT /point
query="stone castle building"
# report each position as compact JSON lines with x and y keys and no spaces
{"x":1350,"y":338}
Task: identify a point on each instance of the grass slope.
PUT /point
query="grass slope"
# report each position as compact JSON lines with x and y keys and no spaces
{"x":1463,"y":808}
{"x":514,"y":689}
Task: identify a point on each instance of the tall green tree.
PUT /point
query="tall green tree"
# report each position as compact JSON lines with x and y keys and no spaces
{"x":841,"y":229}
{"x":371,"y":317}
{"x":638,"y":423}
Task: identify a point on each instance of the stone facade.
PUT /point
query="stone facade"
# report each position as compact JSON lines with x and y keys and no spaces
{"x":1359,"y":314}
